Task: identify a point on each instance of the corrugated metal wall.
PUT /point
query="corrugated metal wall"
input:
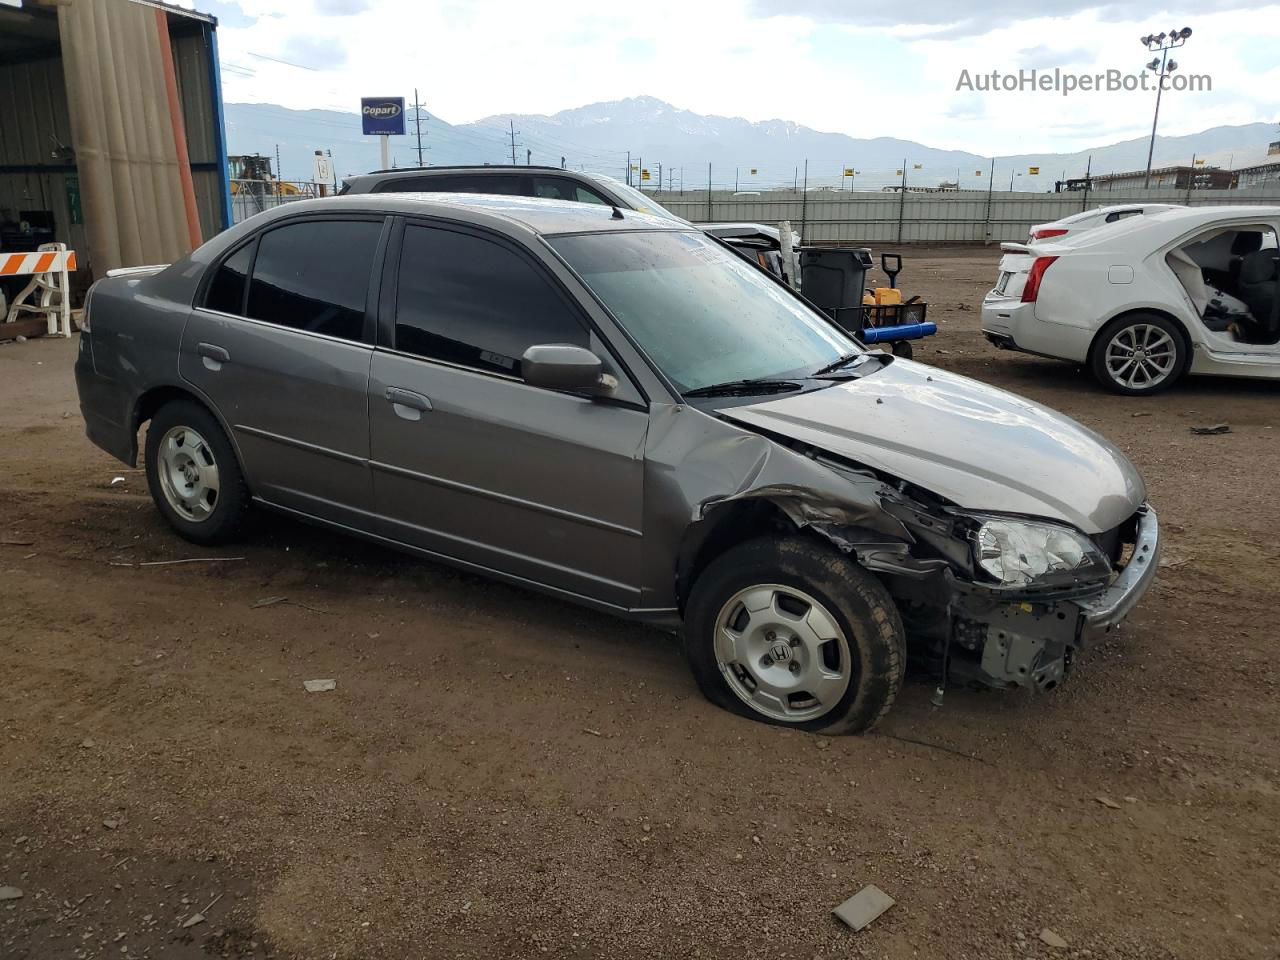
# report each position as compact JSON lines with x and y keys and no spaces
{"x":964,"y":217}
{"x":33,"y":122}
{"x":35,"y":119}
{"x":195,"y":89}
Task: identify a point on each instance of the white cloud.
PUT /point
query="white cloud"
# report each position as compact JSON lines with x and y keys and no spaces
{"x":470,"y":60}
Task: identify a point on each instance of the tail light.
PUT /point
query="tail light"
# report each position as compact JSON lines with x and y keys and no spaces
{"x":84,"y":312}
{"x":1031,"y":289}
{"x":1046,"y":234}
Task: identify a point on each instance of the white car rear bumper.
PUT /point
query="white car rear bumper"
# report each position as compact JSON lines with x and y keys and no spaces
{"x":1012,"y":324}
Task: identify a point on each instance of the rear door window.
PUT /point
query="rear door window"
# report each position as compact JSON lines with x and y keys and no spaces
{"x":313,"y":275}
{"x":470,"y":301}
{"x":226,"y":290}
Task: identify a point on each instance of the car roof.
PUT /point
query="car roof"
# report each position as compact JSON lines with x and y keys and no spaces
{"x":1169,"y":225}
{"x":446,"y":167}
{"x":535,"y":215}
{"x":365,"y":181}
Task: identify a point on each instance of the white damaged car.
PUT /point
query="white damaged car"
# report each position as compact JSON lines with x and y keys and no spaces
{"x":1149,"y":299}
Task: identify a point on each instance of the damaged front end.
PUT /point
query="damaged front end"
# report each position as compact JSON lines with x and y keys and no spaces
{"x":987,"y":599}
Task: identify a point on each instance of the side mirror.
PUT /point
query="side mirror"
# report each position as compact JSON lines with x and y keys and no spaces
{"x":561,"y":366}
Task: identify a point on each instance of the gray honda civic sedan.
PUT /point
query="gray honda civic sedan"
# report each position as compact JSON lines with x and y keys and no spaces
{"x":618,"y":410}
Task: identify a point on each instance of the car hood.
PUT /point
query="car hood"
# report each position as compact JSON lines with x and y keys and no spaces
{"x":982,"y":448}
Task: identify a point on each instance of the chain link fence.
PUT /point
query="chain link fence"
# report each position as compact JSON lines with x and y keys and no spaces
{"x":249,"y":197}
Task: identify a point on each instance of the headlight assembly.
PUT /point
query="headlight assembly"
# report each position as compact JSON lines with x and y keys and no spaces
{"x":1026,"y":552}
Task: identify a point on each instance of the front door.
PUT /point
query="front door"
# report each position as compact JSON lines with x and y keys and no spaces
{"x":281,"y":342}
{"x":471,"y":462}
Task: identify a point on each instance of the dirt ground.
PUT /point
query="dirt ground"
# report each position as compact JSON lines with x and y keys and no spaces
{"x":500,"y":774}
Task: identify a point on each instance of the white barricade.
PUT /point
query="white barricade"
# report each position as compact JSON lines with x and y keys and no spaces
{"x":49,"y":268}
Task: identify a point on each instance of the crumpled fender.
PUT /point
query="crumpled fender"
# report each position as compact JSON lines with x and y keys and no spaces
{"x":697,"y":464}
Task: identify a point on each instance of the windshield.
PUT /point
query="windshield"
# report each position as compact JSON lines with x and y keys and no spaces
{"x":635,"y":199}
{"x":703,"y":314}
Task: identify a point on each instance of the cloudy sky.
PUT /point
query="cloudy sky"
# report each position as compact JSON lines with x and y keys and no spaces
{"x":865,"y":69}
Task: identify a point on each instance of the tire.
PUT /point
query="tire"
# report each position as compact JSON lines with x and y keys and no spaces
{"x":1138,"y":333}
{"x":786,"y":650}
{"x":196,"y":481}
{"x":903,"y":349}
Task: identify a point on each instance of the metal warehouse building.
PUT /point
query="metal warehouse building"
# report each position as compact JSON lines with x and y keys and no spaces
{"x":111,"y":131}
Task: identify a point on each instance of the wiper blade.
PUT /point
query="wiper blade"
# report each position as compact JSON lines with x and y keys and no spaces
{"x":743,"y":387}
{"x":842,"y":362}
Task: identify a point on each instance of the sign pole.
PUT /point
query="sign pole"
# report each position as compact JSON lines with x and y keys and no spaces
{"x":382,"y":117}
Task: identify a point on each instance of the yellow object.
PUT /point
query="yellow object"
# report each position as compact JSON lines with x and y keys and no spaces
{"x":868,"y":299}
{"x":888,"y":295}
{"x":1034,"y":171}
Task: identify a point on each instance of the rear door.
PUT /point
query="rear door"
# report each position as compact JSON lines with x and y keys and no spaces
{"x":280,"y":341}
{"x":471,"y":462}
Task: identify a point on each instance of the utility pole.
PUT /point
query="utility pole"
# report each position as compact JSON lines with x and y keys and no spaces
{"x":735,"y":179}
{"x":804,"y":201}
{"x":1191,"y":179}
{"x":512,"y":125}
{"x":528,"y":157}
{"x":562,"y":163}
{"x":708,"y":192}
{"x":640,"y":180}
{"x":991,"y":183}
{"x":659,"y":174}
{"x":902,"y":199}
{"x":1088,"y":182}
{"x":627,"y":178}
{"x":1162,"y":67}
{"x":417,"y":122}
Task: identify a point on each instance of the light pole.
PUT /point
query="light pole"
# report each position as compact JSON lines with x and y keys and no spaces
{"x":1162,"y":66}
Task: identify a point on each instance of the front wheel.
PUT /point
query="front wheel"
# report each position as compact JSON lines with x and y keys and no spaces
{"x":792,"y":632}
{"x":1138,"y":354}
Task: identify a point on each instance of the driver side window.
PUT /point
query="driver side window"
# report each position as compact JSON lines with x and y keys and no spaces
{"x":470,"y":301}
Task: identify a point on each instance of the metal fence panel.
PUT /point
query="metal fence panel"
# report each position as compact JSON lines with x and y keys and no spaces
{"x":831,"y":217}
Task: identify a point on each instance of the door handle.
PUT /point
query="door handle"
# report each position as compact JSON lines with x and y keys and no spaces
{"x":212,"y":355}
{"x":407,"y":404}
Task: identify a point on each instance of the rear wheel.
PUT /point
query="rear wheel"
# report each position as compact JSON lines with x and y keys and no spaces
{"x":792,"y":632}
{"x":903,"y":349}
{"x":1138,"y":354}
{"x":193,"y":474}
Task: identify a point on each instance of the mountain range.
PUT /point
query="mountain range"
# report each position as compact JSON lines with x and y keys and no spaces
{"x":742,"y":154}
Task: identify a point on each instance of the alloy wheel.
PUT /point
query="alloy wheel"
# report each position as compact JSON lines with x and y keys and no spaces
{"x":1141,"y":356}
{"x":782,"y":652}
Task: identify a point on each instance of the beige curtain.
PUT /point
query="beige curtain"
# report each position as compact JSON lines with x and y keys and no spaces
{"x":130,"y":182}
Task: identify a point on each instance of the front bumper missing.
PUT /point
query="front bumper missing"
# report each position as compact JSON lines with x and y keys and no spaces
{"x":1030,"y":644}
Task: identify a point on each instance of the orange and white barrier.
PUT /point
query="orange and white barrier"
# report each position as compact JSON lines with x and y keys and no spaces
{"x":49,"y":268}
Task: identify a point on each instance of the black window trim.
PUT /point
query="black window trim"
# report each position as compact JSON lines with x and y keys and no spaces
{"x":524,"y":181}
{"x":387,"y":304}
{"x":372,"y":291}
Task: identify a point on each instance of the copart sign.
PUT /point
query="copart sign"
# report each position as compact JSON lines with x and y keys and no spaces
{"x":382,"y":116}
